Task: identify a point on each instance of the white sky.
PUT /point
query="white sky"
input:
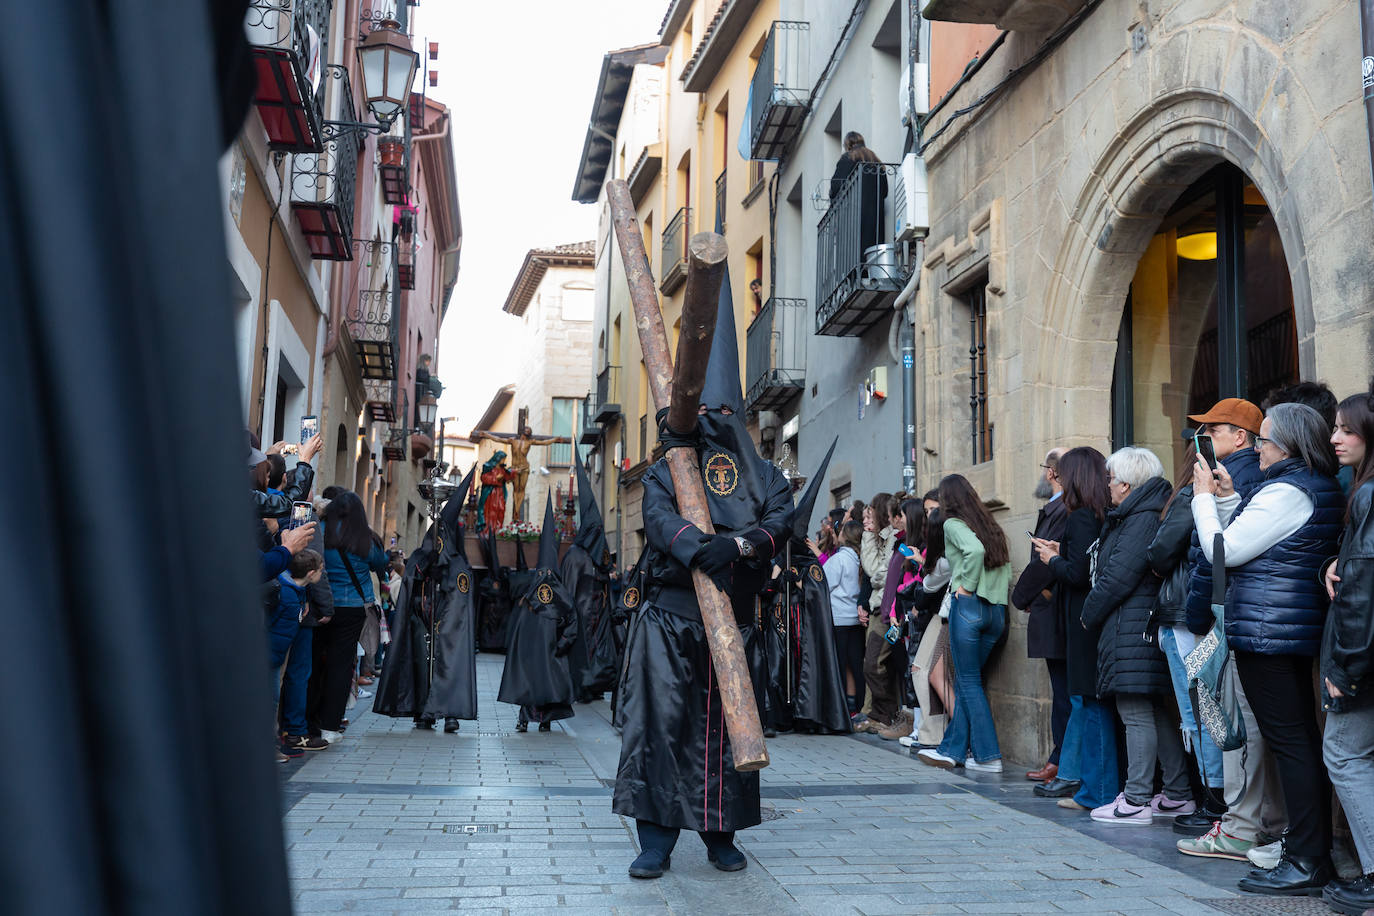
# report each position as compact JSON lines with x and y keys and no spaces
{"x":519,"y":77}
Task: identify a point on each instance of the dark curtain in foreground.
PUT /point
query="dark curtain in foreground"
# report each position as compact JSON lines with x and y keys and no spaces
{"x":137,"y":775}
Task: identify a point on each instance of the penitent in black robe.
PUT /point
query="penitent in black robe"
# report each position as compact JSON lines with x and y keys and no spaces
{"x":593,"y":662}
{"x":539,"y":635}
{"x":432,"y":674}
{"x":818,"y":702}
{"x":676,"y":766}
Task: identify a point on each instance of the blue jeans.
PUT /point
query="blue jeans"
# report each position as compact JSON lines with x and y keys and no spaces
{"x":291,"y":643}
{"x":1206,"y":750}
{"x":1071,"y":749}
{"x":974,"y":627}
{"x":1097,"y":766}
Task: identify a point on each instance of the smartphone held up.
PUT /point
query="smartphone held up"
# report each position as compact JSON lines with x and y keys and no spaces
{"x":1203,"y":444}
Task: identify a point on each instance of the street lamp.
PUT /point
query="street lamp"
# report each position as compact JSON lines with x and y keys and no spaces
{"x":428,"y":409}
{"x":388,"y":67}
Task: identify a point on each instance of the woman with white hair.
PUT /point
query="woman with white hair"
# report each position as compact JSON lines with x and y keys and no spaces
{"x":1277,"y":540}
{"x":1129,"y":667}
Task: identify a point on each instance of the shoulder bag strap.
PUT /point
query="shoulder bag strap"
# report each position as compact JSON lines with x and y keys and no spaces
{"x":362,"y":596}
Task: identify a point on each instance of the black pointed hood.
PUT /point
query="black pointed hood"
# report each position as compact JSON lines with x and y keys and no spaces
{"x":591,"y":530}
{"x":451,"y":516}
{"x":548,"y":539}
{"x":801,"y":516}
{"x":722,"y":388}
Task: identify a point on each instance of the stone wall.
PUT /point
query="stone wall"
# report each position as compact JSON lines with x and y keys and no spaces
{"x":1051,"y":192}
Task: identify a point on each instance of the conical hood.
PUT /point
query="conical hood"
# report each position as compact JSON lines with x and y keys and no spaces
{"x":591,"y":530}
{"x":548,"y":539}
{"x":452,"y":514}
{"x":801,"y":516}
{"x":722,"y":388}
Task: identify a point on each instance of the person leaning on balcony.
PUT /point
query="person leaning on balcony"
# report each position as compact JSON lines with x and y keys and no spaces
{"x":872,"y":189}
{"x":1277,"y":540}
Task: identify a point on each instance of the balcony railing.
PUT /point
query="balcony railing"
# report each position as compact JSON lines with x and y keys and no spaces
{"x":858,"y":272}
{"x":780,"y":90}
{"x":674,"y":260}
{"x":775,"y":354}
{"x":591,"y":432}
{"x":288,"y":42}
{"x":394,"y":168}
{"x":372,"y":325}
{"x":720,"y":201}
{"x":605,"y":401}
{"x":323,"y":185}
{"x":381,"y":399}
{"x":405,"y":263}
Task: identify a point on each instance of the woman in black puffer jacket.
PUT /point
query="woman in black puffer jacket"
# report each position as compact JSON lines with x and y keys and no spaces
{"x":1129,"y":666}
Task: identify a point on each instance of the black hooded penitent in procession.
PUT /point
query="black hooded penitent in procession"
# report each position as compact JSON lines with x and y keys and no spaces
{"x":432,"y":670}
{"x":541,"y":631}
{"x":818,"y":701}
{"x":676,"y":766}
{"x":137,"y":778}
{"x":593,"y":661}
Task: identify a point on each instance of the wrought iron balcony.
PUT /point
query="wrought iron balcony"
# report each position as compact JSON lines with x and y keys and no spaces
{"x":381,"y":400}
{"x":372,"y":325}
{"x":405,"y":263}
{"x":323,"y":186}
{"x":858,"y":271}
{"x":674,"y":260}
{"x":780,"y":90}
{"x":288,"y":42}
{"x":591,"y":433}
{"x":775,"y":354}
{"x":394,"y":169}
{"x":605,"y":401}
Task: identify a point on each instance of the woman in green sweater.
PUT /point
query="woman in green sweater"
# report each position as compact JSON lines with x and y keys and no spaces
{"x":980,"y":579}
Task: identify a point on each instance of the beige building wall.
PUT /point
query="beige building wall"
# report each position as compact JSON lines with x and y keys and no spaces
{"x":1052,"y":194}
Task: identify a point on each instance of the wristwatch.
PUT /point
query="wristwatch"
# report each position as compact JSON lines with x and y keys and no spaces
{"x":746,"y":549}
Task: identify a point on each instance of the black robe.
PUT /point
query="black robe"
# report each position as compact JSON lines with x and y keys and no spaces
{"x":593,"y":662}
{"x":493,"y":600}
{"x":676,"y":766}
{"x":818,"y":700}
{"x":410,"y":686}
{"x":539,"y":635}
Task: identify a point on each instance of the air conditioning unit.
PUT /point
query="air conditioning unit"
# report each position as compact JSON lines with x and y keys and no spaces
{"x":911,"y":216}
{"x":922,"y":88}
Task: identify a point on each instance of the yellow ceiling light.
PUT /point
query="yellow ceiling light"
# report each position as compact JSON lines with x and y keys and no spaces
{"x":1200,"y":246}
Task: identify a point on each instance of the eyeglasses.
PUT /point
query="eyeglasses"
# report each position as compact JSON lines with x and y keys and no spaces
{"x":1260,"y":442}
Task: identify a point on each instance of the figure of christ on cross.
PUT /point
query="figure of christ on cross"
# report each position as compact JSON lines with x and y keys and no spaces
{"x":519,"y":444}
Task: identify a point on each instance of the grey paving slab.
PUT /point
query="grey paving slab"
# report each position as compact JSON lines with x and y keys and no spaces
{"x":376,"y":824}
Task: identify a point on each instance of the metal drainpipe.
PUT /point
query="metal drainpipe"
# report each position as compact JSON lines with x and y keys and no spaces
{"x":906,"y":338}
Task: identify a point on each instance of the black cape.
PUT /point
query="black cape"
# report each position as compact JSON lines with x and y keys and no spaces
{"x":493,"y":598}
{"x":593,"y":662}
{"x":438,"y":583}
{"x":818,"y":701}
{"x":539,"y":636}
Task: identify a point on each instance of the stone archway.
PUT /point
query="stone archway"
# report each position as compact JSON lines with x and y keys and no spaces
{"x":1157,"y":155}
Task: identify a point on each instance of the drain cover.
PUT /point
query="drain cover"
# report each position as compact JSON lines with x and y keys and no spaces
{"x":469,"y":828}
{"x":1269,"y":906}
{"x":536,"y":763}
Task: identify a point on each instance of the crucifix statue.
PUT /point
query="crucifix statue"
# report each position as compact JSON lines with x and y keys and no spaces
{"x":519,"y":444}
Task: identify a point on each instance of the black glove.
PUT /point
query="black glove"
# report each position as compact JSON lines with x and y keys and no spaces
{"x":716,"y":555}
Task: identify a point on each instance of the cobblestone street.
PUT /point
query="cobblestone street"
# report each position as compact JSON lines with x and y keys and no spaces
{"x":394,"y":820}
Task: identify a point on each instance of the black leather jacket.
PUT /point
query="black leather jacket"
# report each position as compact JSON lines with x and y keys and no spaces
{"x":1347,"y":652}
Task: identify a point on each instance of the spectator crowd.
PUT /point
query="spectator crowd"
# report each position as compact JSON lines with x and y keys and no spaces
{"x":1207,"y":640}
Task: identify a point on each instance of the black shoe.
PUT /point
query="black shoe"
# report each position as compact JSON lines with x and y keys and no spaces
{"x":306,"y":743}
{"x":546,"y":726}
{"x":1294,"y":876}
{"x":1057,"y":788}
{"x":1196,"y":824}
{"x":651,"y":863}
{"x":291,"y":750}
{"x":424,"y":723}
{"x":770,"y":733}
{"x":1351,"y":897}
{"x":727,"y":858}
{"x":522,"y":725}
{"x":450,"y":726}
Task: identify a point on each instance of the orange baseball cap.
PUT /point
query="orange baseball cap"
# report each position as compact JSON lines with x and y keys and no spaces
{"x":1238,"y":412}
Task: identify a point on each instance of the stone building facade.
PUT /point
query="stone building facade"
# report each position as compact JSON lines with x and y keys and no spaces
{"x":1063,"y":298}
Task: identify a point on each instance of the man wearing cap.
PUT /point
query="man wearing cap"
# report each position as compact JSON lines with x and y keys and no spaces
{"x":1233,"y":424}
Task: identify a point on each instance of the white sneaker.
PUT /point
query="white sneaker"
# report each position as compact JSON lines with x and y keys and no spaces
{"x":1266,"y":857}
{"x":992,"y":766}
{"x":364,"y":693}
{"x":907,"y":740}
{"x":934,"y":758}
{"x":331,"y":737}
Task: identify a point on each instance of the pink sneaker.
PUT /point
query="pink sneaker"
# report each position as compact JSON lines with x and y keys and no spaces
{"x":1121,"y":811}
{"x":1164,"y":806}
